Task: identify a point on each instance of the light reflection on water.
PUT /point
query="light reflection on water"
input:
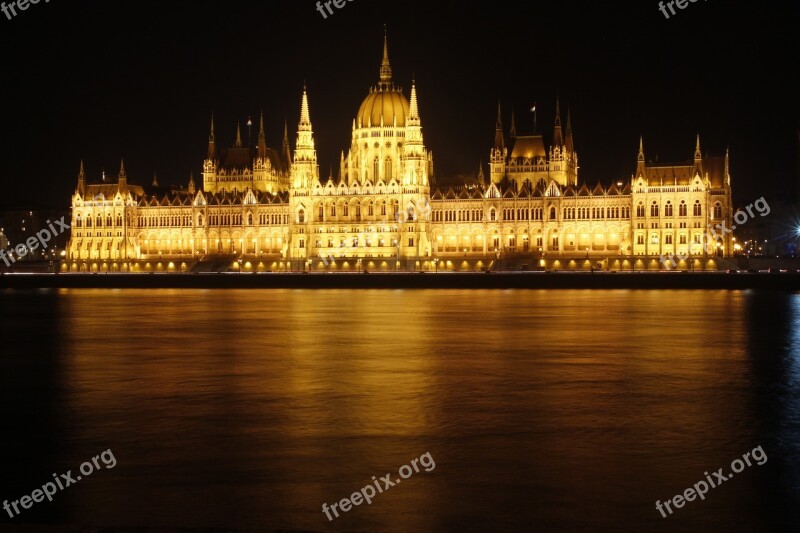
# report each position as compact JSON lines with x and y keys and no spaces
{"x":544,"y":410}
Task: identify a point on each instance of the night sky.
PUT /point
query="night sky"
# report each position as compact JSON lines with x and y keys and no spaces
{"x":140,"y":80}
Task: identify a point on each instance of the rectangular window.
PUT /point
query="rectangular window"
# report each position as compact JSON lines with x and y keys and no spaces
{"x":411,"y":241}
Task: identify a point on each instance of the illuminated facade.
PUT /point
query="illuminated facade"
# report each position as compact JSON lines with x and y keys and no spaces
{"x":269,"y":209}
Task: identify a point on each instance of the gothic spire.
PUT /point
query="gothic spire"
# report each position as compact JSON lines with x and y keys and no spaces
{"x":211,"y":147}
{"x":122,"y":183}
{"x":641,"y":169}
{"x":557,"y":138}
{"x":513,"y":132}
{"x":81,"y":180}
{"x":698,"y":158}
{"x":238,"y":143}
{"x":262,"y":138}
{"x":499,"y":142}
{"x":569,"y":142}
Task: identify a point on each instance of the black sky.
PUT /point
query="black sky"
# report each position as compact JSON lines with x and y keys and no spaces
{"x":139,"y":80}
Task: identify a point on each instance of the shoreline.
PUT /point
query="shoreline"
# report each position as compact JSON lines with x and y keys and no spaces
{"x":411,"y":280}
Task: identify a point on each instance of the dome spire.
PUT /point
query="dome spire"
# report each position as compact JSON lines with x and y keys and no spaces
{"x":386,"y":68}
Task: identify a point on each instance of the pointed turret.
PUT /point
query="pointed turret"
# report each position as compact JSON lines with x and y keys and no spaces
{"x":155,"y":179}
{"x":305,"y":171}
{"x":238,"y":143}
{"x":211,"y":145}
{"x":81,"y":181}
{"x":262,"y":138}
{"x":557,"y":138}
{"x":481,"y":176}
{"x":499,"y":142}
{"x":191,"y":183}
{"x":305,"y":115}
{"x":413,"y":112}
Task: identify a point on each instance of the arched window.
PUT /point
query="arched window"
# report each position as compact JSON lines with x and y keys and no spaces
{"x":668,"y":211}
{"x":552,"y":213}
{"x":698,"y":210}
{"x":682,"y":208}
{"x":640,"y":210}
{"x":78,"y":222}
{"x":321,"y":213}
{"x":250,"y":219}
{"x":717,"y":210}
{"x":99,"y":221}
{"x":654,"y":209}
{"x":492,"y":214}
{"x":371,"y":209}
{"x":301,"y":217}
{"x":668,"y":239}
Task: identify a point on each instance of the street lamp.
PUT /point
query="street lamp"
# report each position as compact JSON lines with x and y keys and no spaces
{"x":436,"y":264}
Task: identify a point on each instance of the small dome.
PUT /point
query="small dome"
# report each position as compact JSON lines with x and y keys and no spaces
{"x":386,"y":102}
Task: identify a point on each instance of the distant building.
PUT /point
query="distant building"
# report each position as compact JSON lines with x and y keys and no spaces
{"x":269,"y":209}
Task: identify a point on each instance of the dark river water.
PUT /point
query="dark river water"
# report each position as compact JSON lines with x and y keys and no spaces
{"x":541,"y":410}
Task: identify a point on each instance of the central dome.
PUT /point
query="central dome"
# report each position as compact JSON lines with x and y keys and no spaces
{"x":385,"y":103}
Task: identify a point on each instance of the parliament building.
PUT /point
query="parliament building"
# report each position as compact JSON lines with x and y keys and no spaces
{"x":268,"y":209}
